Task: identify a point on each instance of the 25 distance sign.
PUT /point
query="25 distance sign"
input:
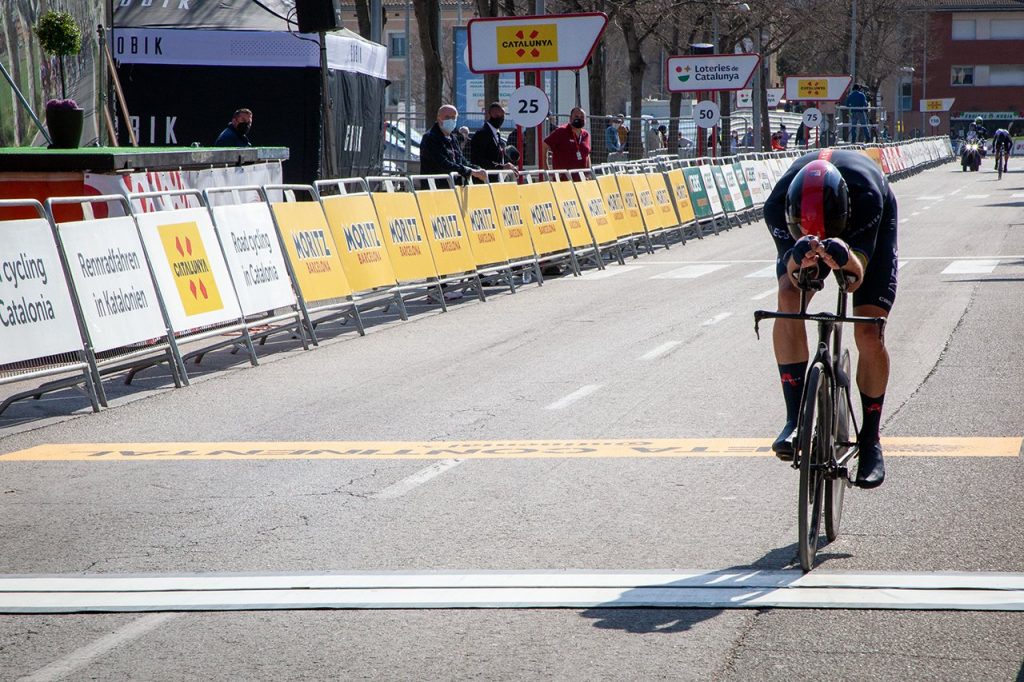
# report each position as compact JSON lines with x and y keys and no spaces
{"x":706,"y":114}
{"x":528,"y":106}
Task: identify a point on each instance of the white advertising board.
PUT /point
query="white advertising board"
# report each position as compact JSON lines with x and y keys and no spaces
{"x":712,"y":189}
{"x":691,"y":73}
{"x":775,"y":96}
{"x":189,"y":268}
{"x":37,"y":317}
{"x":112,"y":281}
{"x":537,"y":43}
{"x":254,"y":257}
{"x":733,"y":186}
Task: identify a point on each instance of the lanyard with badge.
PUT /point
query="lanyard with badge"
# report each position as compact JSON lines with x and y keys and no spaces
{"x":579,"y":154}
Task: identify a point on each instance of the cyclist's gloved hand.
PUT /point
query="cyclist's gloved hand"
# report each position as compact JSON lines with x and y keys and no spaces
{"x":803,"y":246}
{"x":837,"y":251}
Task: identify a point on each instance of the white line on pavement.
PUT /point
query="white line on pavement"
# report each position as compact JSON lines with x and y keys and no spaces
{"x":691,"y":271}
{"x":976,"y":196}
{"x":904,"y":220}
{"x":578,"y":394}
{"x":715,"y":320}
{"x":1018,"y":195}
{"x":609,"y":271}
{"x":957,"y":190}
{"x":767,"y":271}
{"x":660,"y":350}
{"x":901,"y":264}
{"x":419,"y":478}
{"x":764,"y":294}
{"x":83,"y":656}
{"x":731,"y":588}
{"x":970,"y":267}
{"x":916,"y":213}
{"x":930,"y":198}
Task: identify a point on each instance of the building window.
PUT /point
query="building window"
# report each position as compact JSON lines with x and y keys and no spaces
{"x":1006,"y":75}
{"x":964,"y":29}
{"x":962,"y":75}
{"x":906,"y":96}
{"x":1007,"y":29}
{"x":396,"y":45}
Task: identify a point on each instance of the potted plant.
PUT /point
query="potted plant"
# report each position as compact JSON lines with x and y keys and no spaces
{"x":60,"y":36}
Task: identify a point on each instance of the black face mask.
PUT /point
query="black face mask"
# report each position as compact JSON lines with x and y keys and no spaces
{"x":577,"y":123}
{"x":243,"y":128}
{"x":496,"y":121}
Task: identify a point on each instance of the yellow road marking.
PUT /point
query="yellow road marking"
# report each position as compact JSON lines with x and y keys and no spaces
{"x":496,"y":449}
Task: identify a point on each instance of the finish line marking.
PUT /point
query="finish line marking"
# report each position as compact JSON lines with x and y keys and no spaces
{"x":899,"y":446}
{"x":728,"y":589}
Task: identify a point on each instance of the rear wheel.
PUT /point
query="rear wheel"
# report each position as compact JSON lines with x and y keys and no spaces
{"x":814,"y":442}
{"x":835,"y":490}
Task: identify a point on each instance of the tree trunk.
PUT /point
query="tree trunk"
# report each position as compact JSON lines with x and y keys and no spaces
{"x":637,"y":67}
{"x":489,"y":8}
{"x":675,"y":105}
{"x":725,"y":127}
{"x":428,"y":17}
{"x":363,"y":17}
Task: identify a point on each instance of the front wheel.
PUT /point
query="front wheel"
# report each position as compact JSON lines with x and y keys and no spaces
{"x":814,"y":441}
{"x":835,"y":490}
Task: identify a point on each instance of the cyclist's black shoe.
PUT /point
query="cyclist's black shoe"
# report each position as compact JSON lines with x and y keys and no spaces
{"x":783,"y":445}
{"x":871,"y":469}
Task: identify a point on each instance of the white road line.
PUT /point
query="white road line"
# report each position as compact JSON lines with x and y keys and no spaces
{"x":904,"y":220}
{"x":715,"y":320}
{"x":419,"y":478}
{"x":930,"y":198}
{"x":83,"y":656}
{"x":730,"y":588}
{"x":901,"y":265}
{"x":925,"y":208}
{"x":1018,"y":195}
{"x":767,"y":271}
{"x":916,"y":213}
{"x":691,"y":271}
{"x":764,"y":294}
{"x":957,"y":190}
{"x":970,"y":267}
{"x":659,"y":350}
{"x":977,"y":196}
{"x":578,"y":394}
{"x":609,"y":271}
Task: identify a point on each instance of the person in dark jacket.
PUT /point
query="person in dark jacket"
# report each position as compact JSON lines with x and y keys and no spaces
{"x":237,"y":132}
{"x":440,"y":152}
{"x":487,"y":148}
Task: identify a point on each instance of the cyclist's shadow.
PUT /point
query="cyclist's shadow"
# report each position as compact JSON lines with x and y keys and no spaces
{"x":649,"y":619}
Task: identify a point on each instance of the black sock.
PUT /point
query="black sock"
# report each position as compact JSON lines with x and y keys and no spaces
{"x":872,"y":417}
{"x":792,"y":376}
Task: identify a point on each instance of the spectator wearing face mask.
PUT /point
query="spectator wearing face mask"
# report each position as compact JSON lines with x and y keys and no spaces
{"x":440,"y":151}
{"x":237,"y":132}
{"x":487,"y":148}
{"x":570,"y":144}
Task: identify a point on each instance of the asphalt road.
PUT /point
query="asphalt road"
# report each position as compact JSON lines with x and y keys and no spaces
{"x":650,"y":350}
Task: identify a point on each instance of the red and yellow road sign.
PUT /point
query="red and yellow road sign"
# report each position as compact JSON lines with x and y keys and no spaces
{"x":527,"y":43}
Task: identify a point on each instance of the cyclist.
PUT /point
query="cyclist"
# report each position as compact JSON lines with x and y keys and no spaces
{"x":834,"y":209}
{"x":1001,"y":140}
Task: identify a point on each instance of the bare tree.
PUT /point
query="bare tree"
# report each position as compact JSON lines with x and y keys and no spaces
{"x":363,"y":17}
{"x":428,"y":20}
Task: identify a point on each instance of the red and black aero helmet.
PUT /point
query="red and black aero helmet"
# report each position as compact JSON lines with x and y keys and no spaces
{"x":817,"y":202}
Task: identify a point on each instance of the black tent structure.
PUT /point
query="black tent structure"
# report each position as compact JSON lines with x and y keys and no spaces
{"x":187,"y":65}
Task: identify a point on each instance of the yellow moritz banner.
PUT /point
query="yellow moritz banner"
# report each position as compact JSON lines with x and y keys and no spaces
{"x":662,"y":200}
{"x":633,"y":214}
{"x":312,"y":250}
{"x":621,"y":222}
{"x":193,"y":278}
{"x":681,"y":195}
{"x":646,"y":201}
{"x":353,"y":223}
{"x":596,"y":211}
{"x":527,"y":44}
{"x":511,"y":219}
{"x":485,"y":235}
{"x":404,"y":237}
{"x":572,"y":214}
{"x":543,"y":217}
{"x":446,"y":233}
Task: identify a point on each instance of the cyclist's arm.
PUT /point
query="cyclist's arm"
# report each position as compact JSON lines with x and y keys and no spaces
{"x":830,"y":252}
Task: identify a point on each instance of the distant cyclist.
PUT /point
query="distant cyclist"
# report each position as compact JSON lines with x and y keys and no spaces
{"x":834,"y":210}
{"x":1001,"y":140}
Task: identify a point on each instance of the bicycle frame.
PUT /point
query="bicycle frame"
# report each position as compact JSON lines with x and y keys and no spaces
{"x":828,"y":353}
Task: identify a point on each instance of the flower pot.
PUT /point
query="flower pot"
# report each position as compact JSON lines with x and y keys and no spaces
{"x":65,"y":127}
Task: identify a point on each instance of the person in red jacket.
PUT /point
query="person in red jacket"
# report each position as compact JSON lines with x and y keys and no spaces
{"x":570,"y":144}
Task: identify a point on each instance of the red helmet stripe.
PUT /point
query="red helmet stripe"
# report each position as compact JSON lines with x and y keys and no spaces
{"x":825,"y":154}
{"x":812,"y":208}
